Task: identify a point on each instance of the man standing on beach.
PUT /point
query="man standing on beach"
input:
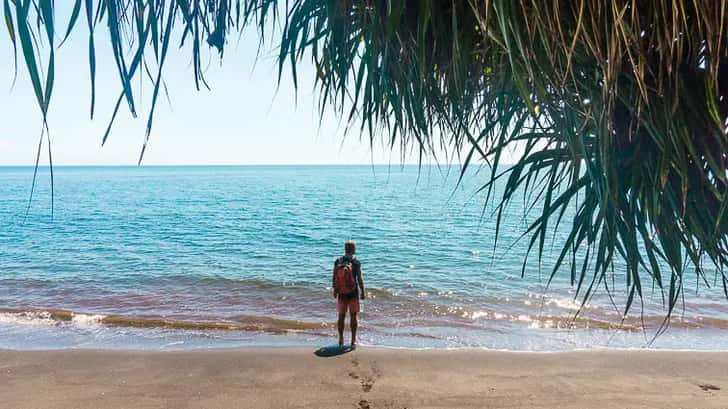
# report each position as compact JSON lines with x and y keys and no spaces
{"x":348,"y":287}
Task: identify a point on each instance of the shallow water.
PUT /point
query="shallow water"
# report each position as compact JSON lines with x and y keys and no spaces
{"x":208,"y":257}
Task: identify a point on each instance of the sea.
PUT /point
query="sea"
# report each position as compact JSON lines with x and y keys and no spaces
{"x":192,"y":257}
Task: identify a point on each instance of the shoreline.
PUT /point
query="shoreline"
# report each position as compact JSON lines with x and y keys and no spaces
{"x":370,"y":377}
{"x":367,"y":347}
{"x":115,"y":331}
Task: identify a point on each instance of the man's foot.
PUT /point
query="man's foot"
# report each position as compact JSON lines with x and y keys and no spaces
{"x":353,"y":344}
{"x":341,"y":342}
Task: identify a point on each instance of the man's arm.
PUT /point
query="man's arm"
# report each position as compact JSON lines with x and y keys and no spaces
{"x":361,"y":284}
{"x":333,"y":281}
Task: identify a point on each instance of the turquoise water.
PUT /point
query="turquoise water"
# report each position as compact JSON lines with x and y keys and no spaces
{"x":213,"y":257}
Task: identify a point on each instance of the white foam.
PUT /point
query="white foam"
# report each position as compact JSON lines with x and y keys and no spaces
{"x":87,"y":320}
{"x":45,"y":319}
{"x":478,"y":314}
{"x":36,"y":318}
{"x":565,"y":303}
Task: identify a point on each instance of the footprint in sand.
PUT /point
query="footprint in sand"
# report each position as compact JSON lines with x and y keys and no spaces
{"x":708,"y":387}
{"x":376,"y":371}
{"x":367,"y":384}
{"x":366,"y":380}
{"x":363,"y":404}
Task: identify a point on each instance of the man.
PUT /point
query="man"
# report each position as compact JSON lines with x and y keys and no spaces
{"x":348,"y":287}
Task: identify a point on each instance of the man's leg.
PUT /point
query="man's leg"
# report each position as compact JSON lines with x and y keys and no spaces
{"x":342,"y":317}
{"x":354,"y":325}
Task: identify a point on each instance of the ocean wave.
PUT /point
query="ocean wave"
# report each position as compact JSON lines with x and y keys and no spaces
{"x":464,"y":316}
{"x":36,"y":318}
{"x":546,"y":321}
{"x":52,"y":317}
{"x":214,"y":305}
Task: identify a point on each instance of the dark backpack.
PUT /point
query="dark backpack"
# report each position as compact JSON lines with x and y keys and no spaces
{"x":344,"y":277}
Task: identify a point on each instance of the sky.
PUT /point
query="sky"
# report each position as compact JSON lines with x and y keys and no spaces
{"x":244,"y":119}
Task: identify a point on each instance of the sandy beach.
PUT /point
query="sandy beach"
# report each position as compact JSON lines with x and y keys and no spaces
{"x":366,"y":378}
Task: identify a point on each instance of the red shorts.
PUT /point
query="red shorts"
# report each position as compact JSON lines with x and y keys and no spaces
{"x":347,"y":303}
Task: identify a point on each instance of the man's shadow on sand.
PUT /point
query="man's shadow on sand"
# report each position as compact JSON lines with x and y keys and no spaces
{"x":333,"y":350}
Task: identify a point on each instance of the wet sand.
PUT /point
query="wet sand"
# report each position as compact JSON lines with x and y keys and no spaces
{"x":366,"y":378}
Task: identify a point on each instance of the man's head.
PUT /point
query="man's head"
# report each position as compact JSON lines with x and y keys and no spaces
{"x":350,"y":247}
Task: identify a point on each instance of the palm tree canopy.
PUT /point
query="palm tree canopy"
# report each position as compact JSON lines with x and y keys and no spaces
{"x":618,"y":108}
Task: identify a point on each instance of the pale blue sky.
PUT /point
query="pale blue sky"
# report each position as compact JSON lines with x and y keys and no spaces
{"x":241,"y":121}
